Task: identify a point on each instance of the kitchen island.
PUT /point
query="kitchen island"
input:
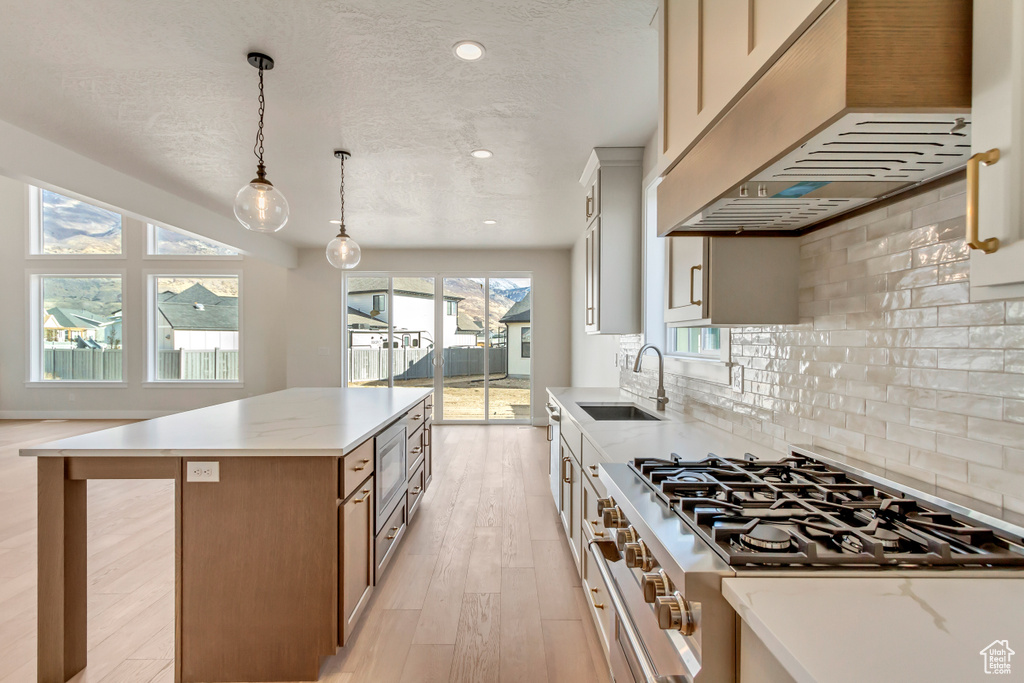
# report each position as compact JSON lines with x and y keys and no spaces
{"x":287,"y":508}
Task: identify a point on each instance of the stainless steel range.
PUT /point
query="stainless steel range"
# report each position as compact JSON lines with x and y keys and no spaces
{"x":682,"y":526}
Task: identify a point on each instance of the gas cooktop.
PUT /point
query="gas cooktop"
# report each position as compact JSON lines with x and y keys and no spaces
{"x":801,"y":511}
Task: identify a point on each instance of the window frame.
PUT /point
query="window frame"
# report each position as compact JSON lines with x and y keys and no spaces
{"x":527,"y":345}
{"x":654,"y":281}
{"x":35,"y":336}
{"x":34,"y":227}
{"x":151,"y":245}
{"x":384,"y":300}
{"x":150,"y":278}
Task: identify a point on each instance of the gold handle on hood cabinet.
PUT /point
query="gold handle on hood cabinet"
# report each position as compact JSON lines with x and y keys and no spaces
{"x":693,"y":272}
{"x":973,"y":166}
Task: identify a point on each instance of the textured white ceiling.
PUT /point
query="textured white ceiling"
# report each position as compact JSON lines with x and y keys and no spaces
{"x":161,"y":90}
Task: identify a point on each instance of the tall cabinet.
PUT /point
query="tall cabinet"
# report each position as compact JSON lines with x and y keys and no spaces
{"x":612,"y":183}
{"x":997,"y":112}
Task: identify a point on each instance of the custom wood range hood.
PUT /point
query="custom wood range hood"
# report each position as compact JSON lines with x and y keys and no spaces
{"x":873,"y":99}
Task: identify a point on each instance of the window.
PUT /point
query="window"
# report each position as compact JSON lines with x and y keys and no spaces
{"x":406,"y":340}
{"x":80,"y":330}
{"x":69,"y":227}
{"x":195,"y":328}
{"x":451,"y":307}
{"x":695,"y":341}
{"x":380,"y":303}
{"x":174,"y":242}
{"x":526,"y":342}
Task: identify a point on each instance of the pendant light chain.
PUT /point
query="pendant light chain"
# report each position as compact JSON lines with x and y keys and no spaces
{"x":341,"y":192}
{"x":258,"y":147}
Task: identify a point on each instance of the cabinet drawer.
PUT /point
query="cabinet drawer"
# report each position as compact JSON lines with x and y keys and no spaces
{"x":414,"y":451}
{"x":591,"y":459}
{"x":414,"y":418}
{"x":388,"y":539}
{"x":573,"y":436}
{"x":597,"y":599}
{"x":354,"y":468}
{"x":417,"y":484}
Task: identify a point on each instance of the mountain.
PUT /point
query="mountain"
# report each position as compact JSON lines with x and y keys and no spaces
{"x":514,"y":289}
{"x":74,"y":227}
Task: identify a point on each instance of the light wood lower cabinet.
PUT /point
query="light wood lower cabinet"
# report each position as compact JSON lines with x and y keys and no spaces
{"x":356,"y":567}
{"x":388,"y":539}
{"x":414,"y":492}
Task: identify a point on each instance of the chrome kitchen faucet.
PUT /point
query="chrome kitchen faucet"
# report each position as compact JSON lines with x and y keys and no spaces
{"x":660,"y":398}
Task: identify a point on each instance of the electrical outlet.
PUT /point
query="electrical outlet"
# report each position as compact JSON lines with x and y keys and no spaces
{"x":202,"y":471}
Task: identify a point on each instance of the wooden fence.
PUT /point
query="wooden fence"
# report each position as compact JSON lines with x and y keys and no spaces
{"x":105,"y":364}
{"x":372,"y":364}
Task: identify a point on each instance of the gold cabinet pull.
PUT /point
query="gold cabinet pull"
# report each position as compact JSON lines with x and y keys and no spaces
{"x":566,"y":478}
{"x":593,"y":470}
{"x":590,"y":205}
{"x":973,"y":165}
{"x":417,"y":417}
{"x":366,"y":495}
{"x":598,"y":605}
{"x":365,"y":462}
{"x":693,"y":271}
{"x":415,"y":450}
{"x":394,"y":532}
{"x":594,"y":530}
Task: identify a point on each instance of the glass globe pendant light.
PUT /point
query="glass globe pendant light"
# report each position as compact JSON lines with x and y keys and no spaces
{"x":259,"y":206}
{"x":342,"y":251}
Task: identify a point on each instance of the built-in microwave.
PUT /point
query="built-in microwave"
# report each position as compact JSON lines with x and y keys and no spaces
{"x":390,"y":471}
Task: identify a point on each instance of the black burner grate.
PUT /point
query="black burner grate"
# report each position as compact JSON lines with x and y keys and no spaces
{"x":800,"y":511}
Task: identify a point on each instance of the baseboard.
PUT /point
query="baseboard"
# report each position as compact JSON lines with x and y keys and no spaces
{"x":82,"y":414}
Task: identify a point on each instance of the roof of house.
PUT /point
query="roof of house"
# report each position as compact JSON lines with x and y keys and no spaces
{"x":197,"y":294}
{"x":357,"y":317}
{"x":468,"y":325}
{"x":519,"y":313}
{"x":74,"y":318}
{"x":220,"y":318}
{"x":407,"y":286}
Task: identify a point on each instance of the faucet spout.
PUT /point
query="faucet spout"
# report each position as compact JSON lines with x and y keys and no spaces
{"x":661,"y":398}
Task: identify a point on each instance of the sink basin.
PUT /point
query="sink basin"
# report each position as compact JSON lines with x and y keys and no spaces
{"x":616,"y":411}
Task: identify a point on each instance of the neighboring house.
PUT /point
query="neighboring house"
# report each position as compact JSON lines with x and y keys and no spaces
{"x":517,"y":319}
{"x":413,"y":310}
{"x":197,"y":319}
{"x":62,"y":326}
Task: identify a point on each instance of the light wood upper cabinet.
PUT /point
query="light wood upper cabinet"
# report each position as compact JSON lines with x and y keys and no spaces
{"x":997,"y":115}
{"x":723,"y":281}
{"x":711,"y":51}
{"x":611,"y":182}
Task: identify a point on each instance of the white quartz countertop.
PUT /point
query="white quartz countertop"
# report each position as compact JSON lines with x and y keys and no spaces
{"x":621,"y":441}
{"x":851,"y":630}
{"x":315,"y":421}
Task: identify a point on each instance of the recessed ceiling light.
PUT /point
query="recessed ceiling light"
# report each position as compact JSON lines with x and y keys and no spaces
{"x":490,"y":222}
{"x":481,"y":154}
{"x":468,"y":50}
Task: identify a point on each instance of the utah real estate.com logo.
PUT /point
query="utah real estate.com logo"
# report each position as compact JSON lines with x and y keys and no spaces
{"x":997,"y":657}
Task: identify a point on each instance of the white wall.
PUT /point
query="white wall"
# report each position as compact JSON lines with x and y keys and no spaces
{"x":314,"y":319}
{"x":263,"y":333}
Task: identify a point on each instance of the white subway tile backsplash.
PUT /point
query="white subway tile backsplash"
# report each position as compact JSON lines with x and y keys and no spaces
{"x":892,"y":364}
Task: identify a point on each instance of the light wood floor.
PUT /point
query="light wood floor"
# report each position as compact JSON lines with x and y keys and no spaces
{"x":482,"y":589}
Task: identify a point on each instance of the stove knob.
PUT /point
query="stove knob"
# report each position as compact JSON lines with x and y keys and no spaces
{"x":613,"y":517}
{"x":639,"y":557}
{"x":603,"y":503}
{"x":674,"y":614}
{"x":624,"y":536}
{"x":654,"y":584}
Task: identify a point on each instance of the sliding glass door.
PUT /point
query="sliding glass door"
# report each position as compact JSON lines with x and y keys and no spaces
{"x":469,"y":337}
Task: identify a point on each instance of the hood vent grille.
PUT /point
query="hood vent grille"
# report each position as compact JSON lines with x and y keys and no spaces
{"x":853,"y":162}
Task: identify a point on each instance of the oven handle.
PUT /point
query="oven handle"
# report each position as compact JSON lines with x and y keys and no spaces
{"x":636,"y":644}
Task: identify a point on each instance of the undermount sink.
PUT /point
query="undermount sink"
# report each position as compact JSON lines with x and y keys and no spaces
{"x":616,"y":411}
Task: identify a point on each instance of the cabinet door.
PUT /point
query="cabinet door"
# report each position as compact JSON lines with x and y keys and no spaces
{"x":997,"y":110}
{"x":686,"y":278}
{"x":355,"y":566}
{"x":576,"y":506}
{"x":565,"y":488}
{"x":593,"y":283}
